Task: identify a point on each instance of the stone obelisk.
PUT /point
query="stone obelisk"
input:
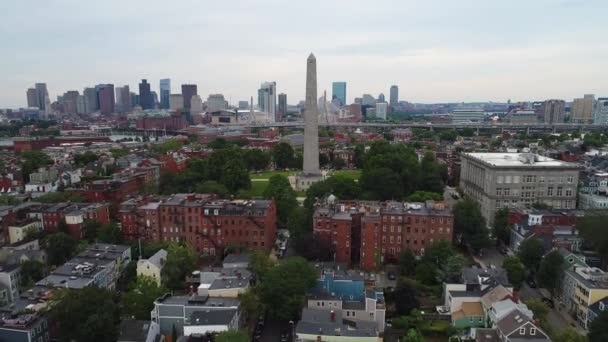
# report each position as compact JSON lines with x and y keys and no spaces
{"x":311,"y":120}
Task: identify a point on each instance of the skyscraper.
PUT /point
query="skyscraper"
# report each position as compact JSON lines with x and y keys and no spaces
{"x":123,"y":99}
{"x":146,"y":99}
{"x":381,"y":110}
{"x":282,"y":107}
{"x":338,"y":91}
{"x":196,"y":104}
{"x":176,"y":102}
{"x":42,"y":94}
{"x":582,"y":109}
{"x":165,"y":91}
{"x":106,"y":98}
{"x":381,"y":98}
{"x":600,"y":117}
{"x":394,"y":96}
{"x":216,"y":102}
{"x":90,"y":100}
{"x":32,"y":98}
{"x":188,"y":90}
{"x":553,"y":111}
{"x":267,"y":99}
{"x":69,"y":101}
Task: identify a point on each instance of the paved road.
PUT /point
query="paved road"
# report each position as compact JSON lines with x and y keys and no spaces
{"x":556,"y":319}
{"x":491,"y":257}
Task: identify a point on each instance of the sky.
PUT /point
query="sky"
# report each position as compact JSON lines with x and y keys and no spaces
{"x":434,"y":50}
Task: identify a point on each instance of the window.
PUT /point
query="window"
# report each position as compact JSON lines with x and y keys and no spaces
{"x":541,"y":179}
{"x":507,"y":192}
{"x":550,"y":191}
{"x":508,"y":179}
{"x":515,"y":179}
{"x":532,"y":331}
{"x":568,"y":192}
{"x":499,"y":179}
{"x":522,"y":331}
{"x":559,"y":191}
{"x":570,"y":179}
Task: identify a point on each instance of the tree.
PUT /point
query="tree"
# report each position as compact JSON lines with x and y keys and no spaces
{"x":449,"y":135}
{"x":127,"y":277}
{"x":31,"y":272}
{"x":180,"y":262}
{"x":88,"y":314}
{"x":59,"y":197}
{"x":539,"y":308}
{"x":8,"y":200}
{"x":256,"y":159}
{"x":470,"y":225}
{"x":446,"y":263}
{"x":405,"y":297}
{"x":598,"y":330}
{"x":235,"y":176}
{"x":284,"y":288}
{"x":530,"y":253}
{"x":422,"y":196}
{"x":407,"y":263}
{"x":381,"y":184}
{"x":31,"y":161}
{"x":550,"y":272}
{"x":569,"y":335}
{"x":358,"y":156}
{"x":250,"y":302}
{"x":110,"y":233}
{"x":501,"y":229}
{"x":59,"y":248}
{"x":91,"y":230}
{"x":119,"y":152}
{"x":85,"y":158}
{"x":323,"y":160}
{"x":280,"y":190}
{"x":139,"y":300}
{"x":592,"y":227}
{"x":413,"y":336}
{"x":338,"y":163}
{"x":515,"y":271}
{"x":232,"y":336}
{"x":283,"y":155}
{"x":426,"y":273}
{"x":344,"y":188}
{"x":260,"y":263}
{"x":212,"y":187}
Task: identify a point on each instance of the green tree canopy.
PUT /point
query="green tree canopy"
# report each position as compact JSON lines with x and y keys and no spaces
{"x":89,"y":314}
{"x":139,"y":300}
{"x":422,"y":196}
{"x":232,"y":336}
{"x":284,"y":288}
{"x":257,"y":159}
{"x":59,"y":247}
{"x":470,"y":225}
{"x":592,"y":229}
{"x":598,"y":330}
{"x":501,"y":229}
{"x":407,"y":263}
{"x":550,"y":272}
{"x":31,"y":272}
{"x":31,"y":161}
{"x":530,"y":253}
{"x":413,"y":336}
{"x":60,"y":197}
{"x":283,"y":155}
{"x":539,"y":308}
{"x":85,"y":158}
{"x":235,"y":176}
{"x":260,"y":263}
{"x":515,"y":271}
{"x":405,"y":297}
{"x":181,"y":261}
{"x":280,"y":190}
{"x":569,"y":335}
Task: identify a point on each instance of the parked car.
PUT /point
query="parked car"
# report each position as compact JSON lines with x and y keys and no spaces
{"x":392,"y":276}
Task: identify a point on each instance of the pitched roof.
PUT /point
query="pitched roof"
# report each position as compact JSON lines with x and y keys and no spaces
{"x":496,"y":294}
{"x":469,"y":309}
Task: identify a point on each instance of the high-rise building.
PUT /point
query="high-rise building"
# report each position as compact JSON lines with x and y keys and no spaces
{"x":368,"y":100}
{"x":282,"y":107}
{"x":176,"y":102}
{"x":80,"y":105}
{"x":216,"y":102}
{"x":516,"y":180}
{"x":338,"y":91}
{"x":553,"y":111}
{"x":600,"y":116}
{"x":32,"y":98}
{"x":381,"y":98}
{"x":165,"y":91}
{"x":381,"y":110}
{"x":188,"y":90}
{"x":311,"y":173}
{"x":196,"y":104}
{"x":582,"y":109}
{"x":123,"y":99}
{"x":394,"y":96}
{"x":43,"y":95}
{"x":245,"y":104}
{"x":267,"y":99}
{"x":69,"y":102}
{"x":106,"y":98}
{"x":146,"y":99}
{"x":91,"y":102}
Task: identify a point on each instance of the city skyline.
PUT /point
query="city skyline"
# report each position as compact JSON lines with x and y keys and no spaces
{"x":435,"y":52}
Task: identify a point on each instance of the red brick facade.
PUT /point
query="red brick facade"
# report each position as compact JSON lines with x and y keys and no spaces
{"x":369,"y":233}
{"x":77,"y":216}
{"x":207,"y":224}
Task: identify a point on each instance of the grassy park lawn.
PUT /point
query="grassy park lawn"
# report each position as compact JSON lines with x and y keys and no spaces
{"x":259,"y":180}
{"x":353,"y":174}
{"x":268,"y":174}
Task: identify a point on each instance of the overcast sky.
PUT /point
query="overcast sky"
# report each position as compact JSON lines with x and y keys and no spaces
{"x":436,"y":51}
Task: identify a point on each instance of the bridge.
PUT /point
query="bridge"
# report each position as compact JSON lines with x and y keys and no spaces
{"x":554,"y":128}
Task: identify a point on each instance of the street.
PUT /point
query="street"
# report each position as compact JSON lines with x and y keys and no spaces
{"x":556,"y":319}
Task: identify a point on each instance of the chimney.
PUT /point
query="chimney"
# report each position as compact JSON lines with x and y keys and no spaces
{"x":332,"y":315}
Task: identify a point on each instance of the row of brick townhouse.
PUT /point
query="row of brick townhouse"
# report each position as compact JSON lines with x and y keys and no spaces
{"x":205,"y":222}
{"x":366,"y":233}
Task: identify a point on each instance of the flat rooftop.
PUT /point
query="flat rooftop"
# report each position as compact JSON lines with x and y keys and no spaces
{"x":519,"y":160}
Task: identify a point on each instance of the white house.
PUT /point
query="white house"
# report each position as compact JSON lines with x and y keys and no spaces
{"x":153,"y":266}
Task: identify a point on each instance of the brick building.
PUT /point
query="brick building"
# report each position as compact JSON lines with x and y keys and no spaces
{"x":365,"y":233}
{"x":208,"y":224}
{"x":118,"y":189}
{"x":75,"y":215}
{"x":171,"y":123}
